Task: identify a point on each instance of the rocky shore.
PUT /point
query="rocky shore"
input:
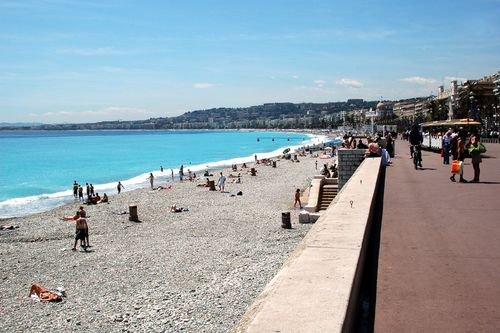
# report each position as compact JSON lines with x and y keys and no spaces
{"x":194,"y":271}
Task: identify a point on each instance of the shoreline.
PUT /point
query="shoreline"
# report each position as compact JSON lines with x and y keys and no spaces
{"x":197,"y":270}
{"x":132,"y":182}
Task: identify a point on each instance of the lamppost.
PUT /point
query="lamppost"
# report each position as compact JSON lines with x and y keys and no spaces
{"x":471,"y":97}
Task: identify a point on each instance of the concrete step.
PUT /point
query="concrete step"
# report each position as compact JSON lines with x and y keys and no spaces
{"x":330,"y":186}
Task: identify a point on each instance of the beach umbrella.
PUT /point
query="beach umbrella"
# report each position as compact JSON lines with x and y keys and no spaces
{"x":286,"y":150}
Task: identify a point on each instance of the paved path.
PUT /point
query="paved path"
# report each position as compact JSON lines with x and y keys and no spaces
{"x":439,"y":263}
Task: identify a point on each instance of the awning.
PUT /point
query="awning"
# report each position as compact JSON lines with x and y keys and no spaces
{"x":451,"y":123}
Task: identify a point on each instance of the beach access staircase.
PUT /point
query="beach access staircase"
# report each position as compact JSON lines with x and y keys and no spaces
{"x":329,"y":191}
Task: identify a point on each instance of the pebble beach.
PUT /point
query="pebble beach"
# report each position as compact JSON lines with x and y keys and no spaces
{"x":195,"y":271}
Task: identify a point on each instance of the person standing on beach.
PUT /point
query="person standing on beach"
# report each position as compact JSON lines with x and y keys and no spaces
{"x":75,"y":189}
{"x":221,"y":182}
{"x":172,"y":173}
{"x":151,"y":179}
{"x":80,"y":193}
{"x":87,"y":189}
{"x":119,"y":187}
{"x":297,"y":199}
{"x":181,"y":172}
{"x":91,"y":190}
{"x":80,"y":234}
{"x":161,"y":168}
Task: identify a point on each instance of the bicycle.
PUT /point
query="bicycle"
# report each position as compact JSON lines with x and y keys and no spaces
{"x":417,"y":156}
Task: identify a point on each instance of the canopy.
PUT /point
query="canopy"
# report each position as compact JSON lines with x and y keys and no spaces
{"x":451,"y":123}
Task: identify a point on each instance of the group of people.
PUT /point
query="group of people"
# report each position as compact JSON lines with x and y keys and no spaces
{"x":82,"y":229}
{"x":92,"y":196}
{"x":454,"y":144}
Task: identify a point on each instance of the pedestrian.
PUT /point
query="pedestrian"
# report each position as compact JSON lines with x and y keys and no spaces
{"x":119,"y":187}
{"x":316,"y":164}
{"x":181,"y":172}
{"x":221,"y":182}
{"x":75,"y":189}
{"x":297,"y":199}
{"x":446,"y":147}
{"x":80,"y":193}
{"x":151,"y":179}
{"x":460,"y":158}
{"x":476,"y":148}
{"x":87,"y":187}
{"x":81,"y":228}
{"x":91,"y":190}
{"x":172,"y":173}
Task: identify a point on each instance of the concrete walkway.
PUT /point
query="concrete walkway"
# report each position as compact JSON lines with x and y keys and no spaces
{"x":439,"y":263}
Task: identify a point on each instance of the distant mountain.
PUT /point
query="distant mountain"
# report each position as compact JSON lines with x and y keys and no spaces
{"x":15,"y":125}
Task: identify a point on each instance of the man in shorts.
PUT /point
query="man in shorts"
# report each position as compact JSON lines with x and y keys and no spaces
{"x":81,"y":233}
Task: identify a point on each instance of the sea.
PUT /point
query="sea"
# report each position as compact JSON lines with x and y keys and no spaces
{"x":38,"y":168}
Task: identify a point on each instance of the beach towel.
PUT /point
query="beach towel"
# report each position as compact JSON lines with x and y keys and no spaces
{"x":40,"y":293}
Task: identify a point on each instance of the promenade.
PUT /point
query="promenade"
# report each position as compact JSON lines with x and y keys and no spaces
{"x":439,"y":262}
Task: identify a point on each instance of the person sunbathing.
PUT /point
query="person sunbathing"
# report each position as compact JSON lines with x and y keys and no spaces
{"x":174,"y":209}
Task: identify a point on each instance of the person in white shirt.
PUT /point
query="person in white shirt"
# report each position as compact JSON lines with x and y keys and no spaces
{"x":221,"y":182}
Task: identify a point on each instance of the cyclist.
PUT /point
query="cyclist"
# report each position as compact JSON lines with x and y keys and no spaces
{"x":416,"y":140}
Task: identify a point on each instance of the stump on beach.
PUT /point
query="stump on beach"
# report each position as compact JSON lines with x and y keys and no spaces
{"x":132,"y":209}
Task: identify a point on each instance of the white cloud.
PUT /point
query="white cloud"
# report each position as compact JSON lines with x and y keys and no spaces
{"x":203,"y":85}
{"x":320,"y":83}
{"x":418,"y":80}
{"x":452,"y":78}
{"x":350,"y":83}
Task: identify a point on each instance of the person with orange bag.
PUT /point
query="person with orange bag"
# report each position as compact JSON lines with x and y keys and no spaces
{"x":460,"y":159}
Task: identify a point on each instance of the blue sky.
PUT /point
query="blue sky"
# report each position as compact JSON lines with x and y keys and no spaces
{"x":83,"y":61}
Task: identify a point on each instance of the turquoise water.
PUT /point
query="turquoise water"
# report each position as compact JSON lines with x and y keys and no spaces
{"x":38,"y":168}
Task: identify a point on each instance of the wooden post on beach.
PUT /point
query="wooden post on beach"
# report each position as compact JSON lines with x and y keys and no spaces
{"x":285,"y":220}
{"x":132,"y":209}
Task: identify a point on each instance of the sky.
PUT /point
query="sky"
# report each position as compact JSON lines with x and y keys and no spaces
{"x":84,"y":61}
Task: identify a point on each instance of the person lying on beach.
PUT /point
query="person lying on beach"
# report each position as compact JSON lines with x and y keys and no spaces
{"x":174,"y":209}
{"x":81,"y":233}
{"x":207,"y":184}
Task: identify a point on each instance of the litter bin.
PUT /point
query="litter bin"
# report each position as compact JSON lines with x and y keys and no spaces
{"x":285,"y":220}
{"x":132,"y":209}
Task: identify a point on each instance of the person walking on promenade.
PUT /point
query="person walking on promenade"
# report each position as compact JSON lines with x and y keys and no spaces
{"x":151,"y":179}
{"x":446,"y":147}
{"x":475,"y":149}
{"x":461,"y":158}
{"x":119,"y":187}
{"x":221,"y":182}
{"x":297,"y":199}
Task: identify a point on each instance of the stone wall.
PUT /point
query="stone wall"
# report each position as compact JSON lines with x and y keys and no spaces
{"x":348,"y":162}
